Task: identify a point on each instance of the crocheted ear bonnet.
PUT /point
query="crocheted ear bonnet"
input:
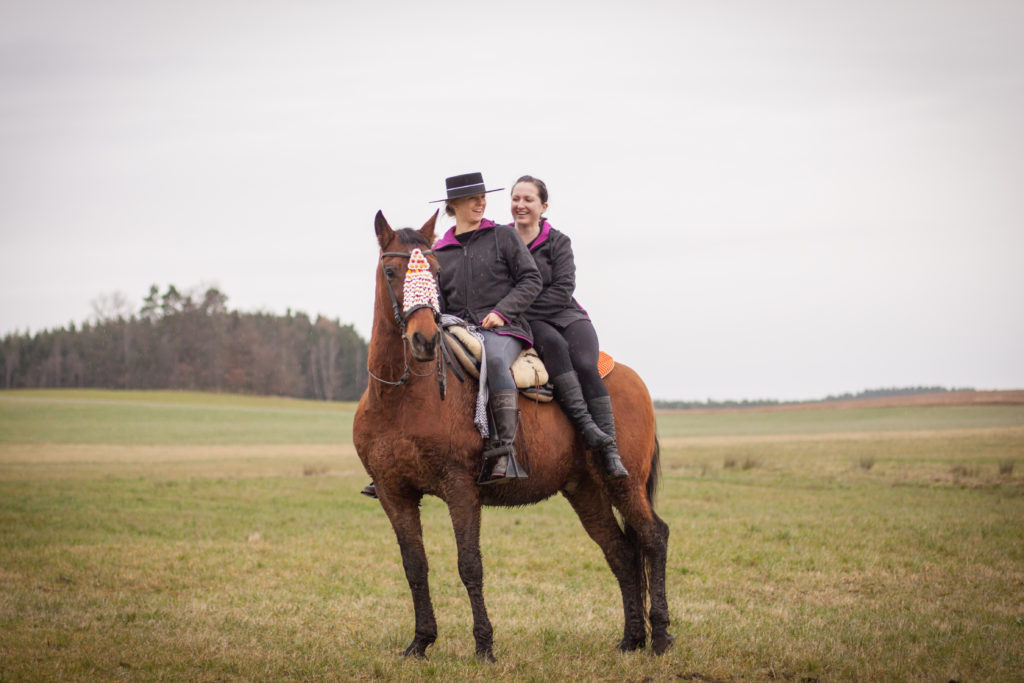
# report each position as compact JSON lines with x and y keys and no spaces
{"x":420,"y":288}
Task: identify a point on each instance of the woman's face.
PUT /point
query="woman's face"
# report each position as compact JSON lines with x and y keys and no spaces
{"x":526,"y":205}
{"x":469,"y":209}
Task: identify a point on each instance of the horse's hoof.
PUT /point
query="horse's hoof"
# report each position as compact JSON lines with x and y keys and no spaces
{"x":416,"y":649}
{"x":662,"y":644}
{"x":486,"y":656}
{"x":632,"y":644}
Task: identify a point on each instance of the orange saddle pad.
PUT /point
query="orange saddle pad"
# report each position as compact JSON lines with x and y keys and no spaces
{"x":605,"y":363}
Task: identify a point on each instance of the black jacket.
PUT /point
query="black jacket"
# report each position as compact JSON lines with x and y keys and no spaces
{"x":552,"y":251}
{"x":492,"y":271}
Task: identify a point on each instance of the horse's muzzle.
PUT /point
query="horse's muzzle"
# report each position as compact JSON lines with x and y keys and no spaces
{"x":424,"y":348}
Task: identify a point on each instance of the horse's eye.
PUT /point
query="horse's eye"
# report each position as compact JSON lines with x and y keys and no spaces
{"x":389,"y":273}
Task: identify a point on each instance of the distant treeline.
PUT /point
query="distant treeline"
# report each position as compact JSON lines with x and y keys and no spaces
{"x":185,"y":341}
{"x":868,"y":393}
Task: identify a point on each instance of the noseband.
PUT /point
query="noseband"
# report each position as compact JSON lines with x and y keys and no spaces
{"x":401,"y":319}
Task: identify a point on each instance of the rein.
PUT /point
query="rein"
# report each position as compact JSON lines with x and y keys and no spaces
{"x":401,"y":319}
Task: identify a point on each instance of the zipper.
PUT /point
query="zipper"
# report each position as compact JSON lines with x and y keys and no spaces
{"x":467,"y":262}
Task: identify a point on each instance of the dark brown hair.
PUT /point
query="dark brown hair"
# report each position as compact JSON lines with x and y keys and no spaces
{"x":542,"y":188}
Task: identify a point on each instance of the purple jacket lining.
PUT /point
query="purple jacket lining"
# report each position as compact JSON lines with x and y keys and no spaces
{"x":545,"y":230}
{"x":497,"y":330}
{"x":449,"y":239}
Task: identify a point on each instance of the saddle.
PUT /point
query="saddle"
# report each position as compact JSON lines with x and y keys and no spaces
{"x":528,"y":371}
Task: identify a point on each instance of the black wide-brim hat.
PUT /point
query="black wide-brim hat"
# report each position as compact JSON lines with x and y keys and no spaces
{"x":463,"y":186}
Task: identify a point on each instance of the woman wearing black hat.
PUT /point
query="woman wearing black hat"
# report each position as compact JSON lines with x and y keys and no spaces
{"x":488,"y":278}
{"x":563,"y":334}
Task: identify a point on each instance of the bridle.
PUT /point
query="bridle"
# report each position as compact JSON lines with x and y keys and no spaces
{"x":401,"y":319}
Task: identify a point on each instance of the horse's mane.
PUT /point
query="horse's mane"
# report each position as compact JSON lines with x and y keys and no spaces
{"x":411,"y":237}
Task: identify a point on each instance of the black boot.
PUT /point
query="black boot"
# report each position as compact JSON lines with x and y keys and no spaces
{"x":504,"y":407}
{"x":601,"y":409}
{"x":569,"y":395}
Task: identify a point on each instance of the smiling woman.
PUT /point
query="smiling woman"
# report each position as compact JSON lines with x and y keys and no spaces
{"x":563,"y":334}
{"x":489,"y":279}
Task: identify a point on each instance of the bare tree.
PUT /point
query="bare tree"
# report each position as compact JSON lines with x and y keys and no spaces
{"x":110,"y":307}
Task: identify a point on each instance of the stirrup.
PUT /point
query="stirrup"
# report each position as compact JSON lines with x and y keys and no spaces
{"x":489,"y":478}
{"x":502,"y":454}
{"x":514,"y":470}
{"x":491,"y":461}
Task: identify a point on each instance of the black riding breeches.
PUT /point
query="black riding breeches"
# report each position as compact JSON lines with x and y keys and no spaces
{"x":570,"y":348}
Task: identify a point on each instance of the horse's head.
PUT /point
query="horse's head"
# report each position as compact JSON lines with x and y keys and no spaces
{"x":408,"y":272}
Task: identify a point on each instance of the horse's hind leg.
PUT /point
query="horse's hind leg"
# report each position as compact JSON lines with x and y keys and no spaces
{"x":404,"y":514}
{"x":464,"y":508}
{"x":656,"y":550}
{"x":595,"y":512}
{"x":648,"y":534}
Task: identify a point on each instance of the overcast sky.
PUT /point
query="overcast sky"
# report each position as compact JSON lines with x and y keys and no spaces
{"x":766,"y":199}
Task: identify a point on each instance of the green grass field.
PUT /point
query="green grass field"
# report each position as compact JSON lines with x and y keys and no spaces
{"x":178,"y":536}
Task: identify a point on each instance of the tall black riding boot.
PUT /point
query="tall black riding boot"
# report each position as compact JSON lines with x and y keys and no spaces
{"x":601,"y":409}
{"x":569,"y":395}
{"x":504,"y":407}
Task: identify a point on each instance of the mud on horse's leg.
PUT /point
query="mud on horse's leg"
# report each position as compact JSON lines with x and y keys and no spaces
{"x":648,"y":535}
{"x":404,"y":514}
{"x":595,"y":512}
{"x":656,"y":546}
{"x":464,"y":508}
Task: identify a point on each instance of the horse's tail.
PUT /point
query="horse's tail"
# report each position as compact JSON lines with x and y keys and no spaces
{"x":641,"y":568}
{"x":655,"y":474}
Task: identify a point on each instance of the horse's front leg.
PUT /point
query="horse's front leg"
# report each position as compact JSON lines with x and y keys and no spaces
{"x":404,"y":513}
{"x":464,"y":508}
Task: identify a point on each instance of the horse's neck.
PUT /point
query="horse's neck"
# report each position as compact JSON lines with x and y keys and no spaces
{"x":386,"y":355}
{"x":388,"y":358}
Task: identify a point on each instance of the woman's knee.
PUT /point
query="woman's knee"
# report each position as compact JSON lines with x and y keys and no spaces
{"x":590,"y":380}
{"x":497,"y":365}
{"x":552,"y":348}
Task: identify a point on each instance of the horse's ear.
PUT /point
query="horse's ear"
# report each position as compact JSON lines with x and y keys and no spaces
{"x":384,"y":232}
{"x":428,"y":228}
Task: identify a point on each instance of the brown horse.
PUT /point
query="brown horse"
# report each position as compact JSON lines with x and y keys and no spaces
{"x":413,"y":441}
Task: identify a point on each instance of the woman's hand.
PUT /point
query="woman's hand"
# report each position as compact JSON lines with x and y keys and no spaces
{"x":492,"y":320}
